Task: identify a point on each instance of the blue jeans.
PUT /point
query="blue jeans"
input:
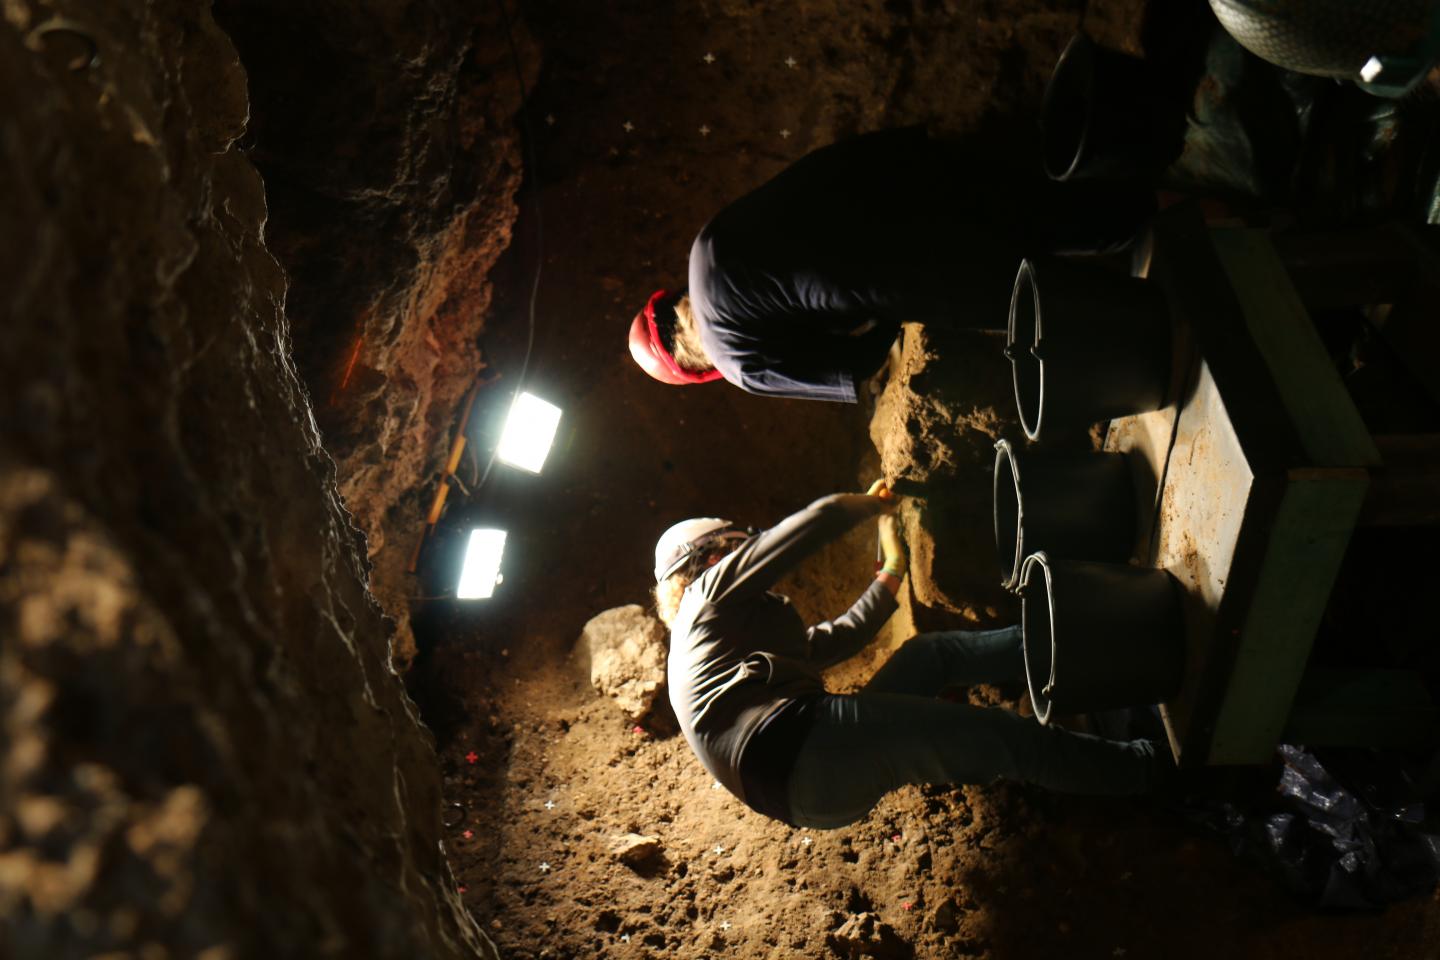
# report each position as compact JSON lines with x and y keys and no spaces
{"x":896,"y":731}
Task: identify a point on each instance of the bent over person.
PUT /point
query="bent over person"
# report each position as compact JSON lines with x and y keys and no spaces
{"x":744,"y":678}
{"x":798,"y":288}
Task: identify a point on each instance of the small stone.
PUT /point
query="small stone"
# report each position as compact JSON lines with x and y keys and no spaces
{"x":946,"y":917}
{"x":635,"y":849}
{"x":865,"y":935}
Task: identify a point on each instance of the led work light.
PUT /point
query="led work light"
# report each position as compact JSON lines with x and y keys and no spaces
{"x":528,"y":433}
{"x":481,"y":570}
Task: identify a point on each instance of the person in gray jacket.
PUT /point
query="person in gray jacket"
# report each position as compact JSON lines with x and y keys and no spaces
{"x":745,"y":684}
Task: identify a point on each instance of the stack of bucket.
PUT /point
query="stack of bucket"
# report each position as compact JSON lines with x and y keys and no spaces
{"x":1086,"y":344}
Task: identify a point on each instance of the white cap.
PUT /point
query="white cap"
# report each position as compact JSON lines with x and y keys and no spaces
{"x":678,"y":544}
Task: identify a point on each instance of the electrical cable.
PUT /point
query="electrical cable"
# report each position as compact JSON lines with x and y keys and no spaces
{"x":534,"y":170}
{"x":527,"y":135}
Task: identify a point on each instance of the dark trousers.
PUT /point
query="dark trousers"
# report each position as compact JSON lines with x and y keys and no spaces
{"x":896,"y":731}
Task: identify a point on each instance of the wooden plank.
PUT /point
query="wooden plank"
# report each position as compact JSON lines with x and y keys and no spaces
{"x":1205,"y":305}
{"x":1372,"y":708}
{"x":1206,"y":496}
{"x":1307,"y":542}
{"x":1329,"y":426}
{"x":1261,"y":473}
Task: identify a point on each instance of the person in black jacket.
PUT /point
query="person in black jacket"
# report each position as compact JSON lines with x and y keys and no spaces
{"x":799,"y":288}
{"x":744,"y":680}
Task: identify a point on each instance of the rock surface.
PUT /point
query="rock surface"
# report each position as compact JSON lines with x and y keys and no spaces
{"x":204,"y":750}
{"x":866,"y":935}
{"x":936,"y":422}
{"x":627,"y":651}
{"x":384,"y":132}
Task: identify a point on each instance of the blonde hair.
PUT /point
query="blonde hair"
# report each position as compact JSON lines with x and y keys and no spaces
{"x":668,"y":593}
{"x":687,"y":349}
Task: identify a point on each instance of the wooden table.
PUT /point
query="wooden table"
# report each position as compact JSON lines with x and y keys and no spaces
{"x":1249,"y":486}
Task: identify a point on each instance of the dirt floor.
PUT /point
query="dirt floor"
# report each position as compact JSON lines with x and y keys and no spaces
{"x":639,"y":138}
{"x":544,"y":778}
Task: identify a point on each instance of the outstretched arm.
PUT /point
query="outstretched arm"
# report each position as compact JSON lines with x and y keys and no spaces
{"x":766,"y":557}
{"x":835,"y":641}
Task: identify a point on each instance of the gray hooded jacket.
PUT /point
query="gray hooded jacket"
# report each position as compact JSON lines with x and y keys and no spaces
{"x":740,"y":653}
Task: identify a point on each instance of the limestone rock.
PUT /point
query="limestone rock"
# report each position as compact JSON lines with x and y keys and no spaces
{"x":386,"y":137}
{"x":946,"y":917}
{"x":627,"y":657}
{"x":634,"y":849}
{"x":865,"y":935}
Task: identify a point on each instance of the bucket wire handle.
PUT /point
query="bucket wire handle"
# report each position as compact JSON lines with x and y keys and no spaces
{"x":74,"y":28}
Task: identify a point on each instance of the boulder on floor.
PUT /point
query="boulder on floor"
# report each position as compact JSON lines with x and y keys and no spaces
{"x":627,"y":657}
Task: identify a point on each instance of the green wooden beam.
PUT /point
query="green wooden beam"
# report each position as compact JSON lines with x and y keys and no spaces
{"x":1307,"y":542}
{"x":1314,"y":396}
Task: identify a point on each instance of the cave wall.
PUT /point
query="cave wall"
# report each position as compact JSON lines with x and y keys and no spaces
{"x":383,"y":130}
{"x":204,"y":751}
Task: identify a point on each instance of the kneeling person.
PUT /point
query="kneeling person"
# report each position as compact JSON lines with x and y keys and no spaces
{"x":744,"y":679}
{"x":798,"y":288}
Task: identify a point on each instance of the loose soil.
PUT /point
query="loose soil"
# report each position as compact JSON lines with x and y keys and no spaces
{"x":547,"y":775}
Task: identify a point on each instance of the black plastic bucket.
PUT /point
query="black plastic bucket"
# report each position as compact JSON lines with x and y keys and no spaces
{"x":1085,"y":344}
{"x":1099,"y":636}
{"x":1074,"y":506}
{"x":1108,"y":115}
